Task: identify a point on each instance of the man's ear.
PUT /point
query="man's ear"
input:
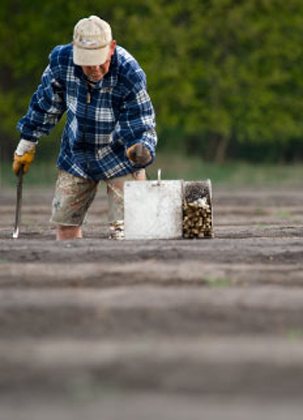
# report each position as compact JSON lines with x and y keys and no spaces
{"x":113,"y":45}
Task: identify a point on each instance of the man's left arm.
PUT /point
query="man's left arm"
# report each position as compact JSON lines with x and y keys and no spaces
{"x":138,"y":127}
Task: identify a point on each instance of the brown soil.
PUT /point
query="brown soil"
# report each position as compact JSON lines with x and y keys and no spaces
{"x":154,"y":329}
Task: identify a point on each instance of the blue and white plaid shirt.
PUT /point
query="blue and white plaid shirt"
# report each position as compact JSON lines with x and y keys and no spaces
{"x":102,"y":119}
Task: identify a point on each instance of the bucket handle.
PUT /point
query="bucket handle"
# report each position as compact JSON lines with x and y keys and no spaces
{"x":159,"y":176}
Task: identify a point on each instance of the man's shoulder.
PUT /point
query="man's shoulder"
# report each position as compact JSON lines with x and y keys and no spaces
{"x":129,"y":69}
{"x":125,"y":57}
{"x":61,"y":55}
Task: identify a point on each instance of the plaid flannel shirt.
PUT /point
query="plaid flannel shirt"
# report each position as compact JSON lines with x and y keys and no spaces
{"x":102,"y":119}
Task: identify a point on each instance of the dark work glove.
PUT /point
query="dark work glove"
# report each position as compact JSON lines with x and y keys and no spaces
{"x":138,"y":154}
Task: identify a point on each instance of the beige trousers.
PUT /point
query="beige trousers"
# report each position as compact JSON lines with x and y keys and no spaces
{"x":73,"y":197}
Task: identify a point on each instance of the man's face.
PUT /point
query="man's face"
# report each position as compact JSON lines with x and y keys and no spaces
{"x":96,"y":73}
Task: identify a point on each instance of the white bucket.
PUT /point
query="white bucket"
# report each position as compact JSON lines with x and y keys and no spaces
{"x":153,"y":209}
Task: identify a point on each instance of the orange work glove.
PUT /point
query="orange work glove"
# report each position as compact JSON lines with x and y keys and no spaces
{"x":138,"y":154}
{"x":24,"y":155}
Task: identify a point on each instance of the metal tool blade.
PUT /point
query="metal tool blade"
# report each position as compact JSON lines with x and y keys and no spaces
{"x":18,"y":203}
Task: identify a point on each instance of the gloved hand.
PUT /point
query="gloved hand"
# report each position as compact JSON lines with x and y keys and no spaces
{"x":24,"y":155}
{"x":138,"y":154}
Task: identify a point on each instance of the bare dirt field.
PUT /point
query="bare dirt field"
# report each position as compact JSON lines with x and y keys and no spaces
{"x":147,"y":330}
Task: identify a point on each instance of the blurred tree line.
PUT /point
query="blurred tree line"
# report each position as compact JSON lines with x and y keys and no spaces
{"x":225,"y":76}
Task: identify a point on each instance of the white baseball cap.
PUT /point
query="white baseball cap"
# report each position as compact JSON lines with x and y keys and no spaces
{"x":91,"y":41}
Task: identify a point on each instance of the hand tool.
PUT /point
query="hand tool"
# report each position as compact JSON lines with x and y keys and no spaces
{"x":18,"y":203}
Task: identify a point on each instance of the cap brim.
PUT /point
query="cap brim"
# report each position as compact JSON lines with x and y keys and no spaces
{"x":89,"y":57}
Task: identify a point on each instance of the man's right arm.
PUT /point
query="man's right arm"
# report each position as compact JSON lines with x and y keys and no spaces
{"x":47,"y":104}
{"x":46,"y":107}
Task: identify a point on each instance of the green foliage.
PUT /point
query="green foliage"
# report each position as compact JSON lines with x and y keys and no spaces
{"x":175,"y":166}
{"x":225,"y":76}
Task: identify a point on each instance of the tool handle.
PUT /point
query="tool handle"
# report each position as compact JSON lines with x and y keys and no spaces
{"x":18,"y":203}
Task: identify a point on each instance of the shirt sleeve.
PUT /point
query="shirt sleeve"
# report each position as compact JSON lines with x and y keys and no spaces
{"x":46,"y":107}
{"x":137,"y":120}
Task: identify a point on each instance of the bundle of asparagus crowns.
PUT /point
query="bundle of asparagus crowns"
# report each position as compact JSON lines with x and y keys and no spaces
{"x":116,"y":230}
{"x":197,"y":210}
